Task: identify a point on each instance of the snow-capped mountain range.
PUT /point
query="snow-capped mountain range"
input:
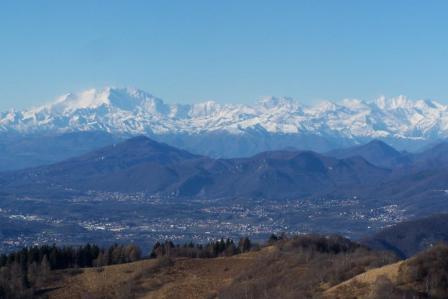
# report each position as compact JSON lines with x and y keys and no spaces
{"x":133,"y":111}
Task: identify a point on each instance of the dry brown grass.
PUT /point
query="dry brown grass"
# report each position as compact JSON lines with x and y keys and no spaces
{"x":107,"y":282}
{"x":361,"y":285}
{"x":266,"y":272}
{"x":186,"y":278}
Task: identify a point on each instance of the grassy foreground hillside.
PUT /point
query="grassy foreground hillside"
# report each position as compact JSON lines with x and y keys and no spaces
{"x":300,"y":267}
{"x":422,"y":276}
{"x":296,"y":267}
{"x":155,"y":278}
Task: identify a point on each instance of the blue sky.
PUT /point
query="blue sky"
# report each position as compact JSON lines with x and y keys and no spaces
{"x":228,"y":51}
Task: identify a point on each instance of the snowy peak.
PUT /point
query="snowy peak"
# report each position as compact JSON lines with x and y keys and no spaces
{"x":269,"y":103}
{"x":87,"y":99}
{"x":133,"y":111}
{"x":354,"y":104}
{"x":400,"y":102}
{"x":122,"y":98}
{"x":205,"y":109}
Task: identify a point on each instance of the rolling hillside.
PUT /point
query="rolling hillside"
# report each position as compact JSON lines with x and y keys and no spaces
{"x":143,"y":165}
{"x":300,"y":267}
{"x":285,"y":269}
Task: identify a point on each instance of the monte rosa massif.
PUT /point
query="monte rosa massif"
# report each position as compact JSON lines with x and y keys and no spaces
{"x":234,"y":130}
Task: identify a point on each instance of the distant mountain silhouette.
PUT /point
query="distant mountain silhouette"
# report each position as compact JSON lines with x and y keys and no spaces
{"x":137,"y":164}
{"x":436,"y":156}
{"x":376,"y":152}
{"x":143,"y":165}
{"x":19,"y":152}
{"x":420,"y":184}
